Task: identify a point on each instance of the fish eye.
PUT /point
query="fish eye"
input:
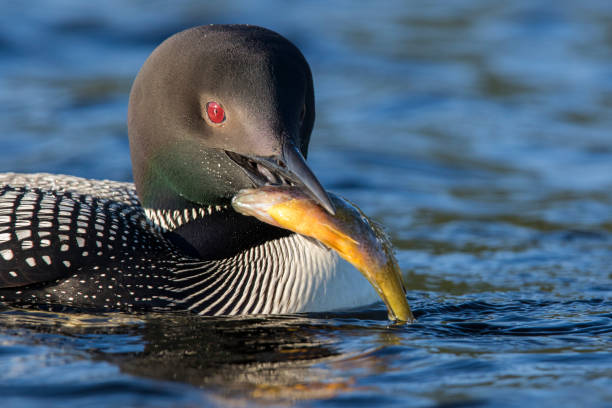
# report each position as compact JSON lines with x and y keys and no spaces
{"x":215,"y":112}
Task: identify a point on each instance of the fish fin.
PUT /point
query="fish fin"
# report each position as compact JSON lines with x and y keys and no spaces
{"x":339,"y":233}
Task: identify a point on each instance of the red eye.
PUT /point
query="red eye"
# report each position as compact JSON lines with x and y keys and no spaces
{"x":215,"y":112}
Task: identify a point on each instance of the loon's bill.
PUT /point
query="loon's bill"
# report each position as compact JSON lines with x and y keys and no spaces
{"x":288,"y":169}
{"x":349,"y":232}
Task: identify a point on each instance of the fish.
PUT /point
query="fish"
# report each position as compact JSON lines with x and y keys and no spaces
{"x":356,"y":238}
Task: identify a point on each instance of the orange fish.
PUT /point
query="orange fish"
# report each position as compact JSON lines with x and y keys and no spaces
{"x":349,"y":232}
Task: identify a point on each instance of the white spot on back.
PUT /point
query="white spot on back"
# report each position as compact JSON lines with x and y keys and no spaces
{"x":23,"y":234}
{"x":7,"y":254}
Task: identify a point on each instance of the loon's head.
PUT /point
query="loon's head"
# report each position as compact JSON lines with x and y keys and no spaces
{"x":216,"y":109}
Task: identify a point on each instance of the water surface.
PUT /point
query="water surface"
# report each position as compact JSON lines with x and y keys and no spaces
{"x":479,"y":133}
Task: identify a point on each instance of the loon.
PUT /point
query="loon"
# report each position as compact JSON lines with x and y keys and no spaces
{"x":213,"y":110}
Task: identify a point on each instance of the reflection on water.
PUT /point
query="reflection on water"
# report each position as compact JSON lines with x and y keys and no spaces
{"x":478,"y":132}
{"x":298,"y":358}
{"x":265,"y":358}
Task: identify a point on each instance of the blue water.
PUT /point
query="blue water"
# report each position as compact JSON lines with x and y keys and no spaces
{"x":478,"y":132}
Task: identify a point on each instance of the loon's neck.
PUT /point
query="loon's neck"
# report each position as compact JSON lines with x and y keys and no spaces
{"x":212,"y":231}
{"x":222,"y":234}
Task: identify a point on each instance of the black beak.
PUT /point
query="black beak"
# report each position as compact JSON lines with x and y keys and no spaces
{"x":288,"y":169}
